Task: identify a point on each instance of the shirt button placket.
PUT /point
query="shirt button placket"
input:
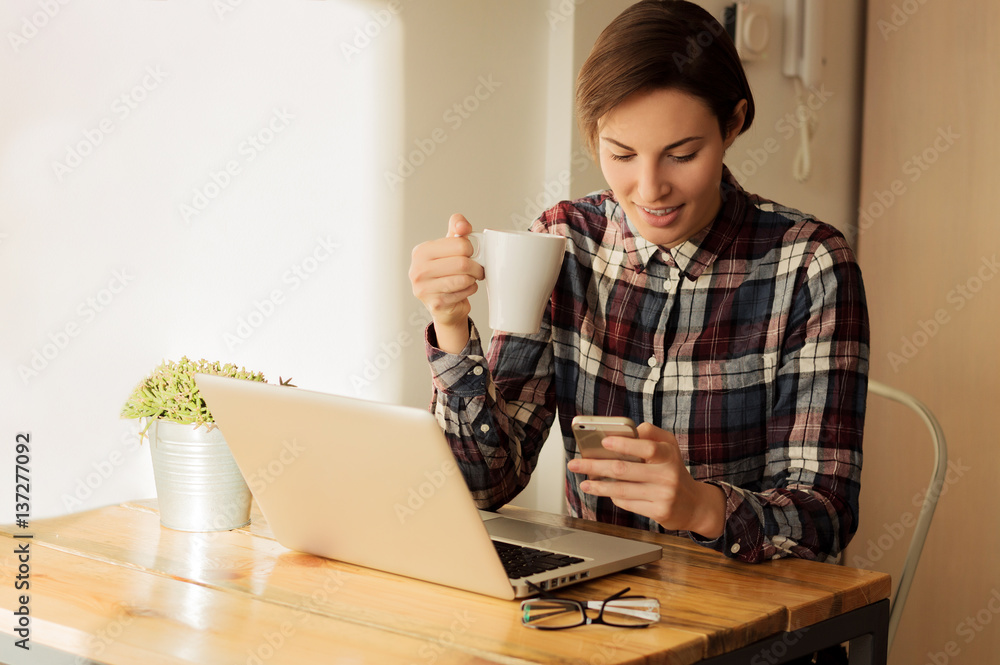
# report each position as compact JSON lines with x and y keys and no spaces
{"x":652,"y":379}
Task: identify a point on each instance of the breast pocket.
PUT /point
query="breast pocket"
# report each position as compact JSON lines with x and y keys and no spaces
{"x":737,"y":373}
{"x":731,"y":402}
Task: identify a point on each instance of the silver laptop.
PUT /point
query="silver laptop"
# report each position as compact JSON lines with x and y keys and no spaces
{"x":377,"y":485}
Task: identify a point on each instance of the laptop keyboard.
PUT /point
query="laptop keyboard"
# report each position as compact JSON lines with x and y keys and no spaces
{"x":520,"y":561}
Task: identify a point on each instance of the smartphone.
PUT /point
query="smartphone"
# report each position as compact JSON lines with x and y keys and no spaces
{"x":589,"y":431}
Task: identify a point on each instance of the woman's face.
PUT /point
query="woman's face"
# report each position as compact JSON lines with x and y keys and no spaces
{"x":661,"y":153}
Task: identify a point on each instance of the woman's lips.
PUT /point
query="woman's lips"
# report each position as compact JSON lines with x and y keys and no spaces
{"x":664,"y":216}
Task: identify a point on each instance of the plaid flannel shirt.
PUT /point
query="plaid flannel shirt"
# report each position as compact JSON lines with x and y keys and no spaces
{"x":749,"y":342}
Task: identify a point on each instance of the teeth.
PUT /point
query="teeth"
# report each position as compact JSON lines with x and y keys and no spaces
{"x":661,"y":212}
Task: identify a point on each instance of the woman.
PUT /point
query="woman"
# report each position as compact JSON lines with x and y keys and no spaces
{"x":733,"y":329}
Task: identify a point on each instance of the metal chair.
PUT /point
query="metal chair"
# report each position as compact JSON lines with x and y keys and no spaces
{"x":930,"y":498}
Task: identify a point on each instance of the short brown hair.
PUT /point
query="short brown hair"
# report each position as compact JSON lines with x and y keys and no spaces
{"x":657,"y":44}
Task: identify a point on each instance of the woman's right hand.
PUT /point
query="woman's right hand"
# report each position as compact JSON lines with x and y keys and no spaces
{"x":443,"y":277}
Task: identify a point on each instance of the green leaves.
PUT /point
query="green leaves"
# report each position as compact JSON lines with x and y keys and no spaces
{"x":170,"y":393}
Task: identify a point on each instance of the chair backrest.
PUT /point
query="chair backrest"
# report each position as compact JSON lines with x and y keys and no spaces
{"x":930,"y":498}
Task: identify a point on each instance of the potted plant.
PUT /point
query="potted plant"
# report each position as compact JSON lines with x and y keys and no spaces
{"x":198,"y":485}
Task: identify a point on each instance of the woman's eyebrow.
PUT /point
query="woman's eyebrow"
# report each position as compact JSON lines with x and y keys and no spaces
{"x":675,"y":144}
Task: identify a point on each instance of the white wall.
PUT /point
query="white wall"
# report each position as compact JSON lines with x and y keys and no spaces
{"x":177,"y":180}
{"x":467,"y":106}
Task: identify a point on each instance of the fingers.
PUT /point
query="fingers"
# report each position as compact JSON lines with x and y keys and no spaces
{"x":610,"y":468}
{"x":661,"y":456}
{"x":458,"y":225}
{"x":651,"y":451}
{"x":626,"y":491}
{"x":443,"y":275}
{"x":654,"y":433}
{"x":442,"y":248}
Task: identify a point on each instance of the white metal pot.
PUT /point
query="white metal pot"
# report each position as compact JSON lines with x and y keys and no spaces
{"x":198,"y":485}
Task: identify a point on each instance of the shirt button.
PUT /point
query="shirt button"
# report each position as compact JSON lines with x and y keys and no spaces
{"x":735,"y":548}
{"x":652,"y":361}
{"x":478,"y":370}
{"x":484,"y":428}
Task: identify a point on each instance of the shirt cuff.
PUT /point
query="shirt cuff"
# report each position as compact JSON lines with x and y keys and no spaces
{"x":741,"y":537}
{"x":465,"y":373}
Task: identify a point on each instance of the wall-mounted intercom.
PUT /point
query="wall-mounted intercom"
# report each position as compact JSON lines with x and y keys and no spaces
{"x":803,"y":60}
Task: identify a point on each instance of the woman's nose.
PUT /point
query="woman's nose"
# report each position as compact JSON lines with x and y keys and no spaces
{"x":653,"y":185}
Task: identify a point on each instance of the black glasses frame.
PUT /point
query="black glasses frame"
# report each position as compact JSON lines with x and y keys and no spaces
{"x":582,"y":607}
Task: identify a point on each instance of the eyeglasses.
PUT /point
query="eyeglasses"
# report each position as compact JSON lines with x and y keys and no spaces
{"x":548,"y":612}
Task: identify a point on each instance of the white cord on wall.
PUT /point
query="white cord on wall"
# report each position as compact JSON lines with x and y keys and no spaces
{"x":806,"y":117}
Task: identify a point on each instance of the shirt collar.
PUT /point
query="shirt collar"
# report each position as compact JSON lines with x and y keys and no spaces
{"x":693,"y":256}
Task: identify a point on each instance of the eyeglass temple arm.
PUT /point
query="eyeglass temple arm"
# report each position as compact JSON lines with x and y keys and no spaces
{"x":642,"y":608}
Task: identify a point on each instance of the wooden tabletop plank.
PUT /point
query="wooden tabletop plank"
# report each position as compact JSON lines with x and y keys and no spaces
{"x":241,"y":564}
{"x":120,"y":615}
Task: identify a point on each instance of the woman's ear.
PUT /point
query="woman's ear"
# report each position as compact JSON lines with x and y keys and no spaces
{"x":735,"y":123}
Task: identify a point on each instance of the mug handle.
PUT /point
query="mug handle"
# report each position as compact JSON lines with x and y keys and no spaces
{"x":478,"y":243}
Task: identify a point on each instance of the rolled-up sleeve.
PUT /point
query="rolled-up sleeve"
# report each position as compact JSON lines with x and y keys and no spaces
{"x":495,"y":430}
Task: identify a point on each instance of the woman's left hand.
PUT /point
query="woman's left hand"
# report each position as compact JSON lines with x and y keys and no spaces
{"x":660,"y":488}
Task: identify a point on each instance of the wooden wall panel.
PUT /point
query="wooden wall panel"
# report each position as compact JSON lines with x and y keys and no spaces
{"x":929,"y":244}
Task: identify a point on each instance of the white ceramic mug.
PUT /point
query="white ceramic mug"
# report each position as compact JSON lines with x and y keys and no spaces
{"x":521,"y":270}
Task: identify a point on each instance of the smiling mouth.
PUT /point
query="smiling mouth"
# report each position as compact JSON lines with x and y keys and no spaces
{"x":659,"y":212}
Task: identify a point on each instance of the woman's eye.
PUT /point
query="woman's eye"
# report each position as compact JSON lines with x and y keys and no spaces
{"x":621,"y":158}
{"x":683,"y":158}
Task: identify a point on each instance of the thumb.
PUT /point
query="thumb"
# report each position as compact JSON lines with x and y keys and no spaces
{"x":654,"y":433}
{"x":458,"y":225}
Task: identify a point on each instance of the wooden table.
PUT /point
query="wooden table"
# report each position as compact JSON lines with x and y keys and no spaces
{"x":114,"y":586}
